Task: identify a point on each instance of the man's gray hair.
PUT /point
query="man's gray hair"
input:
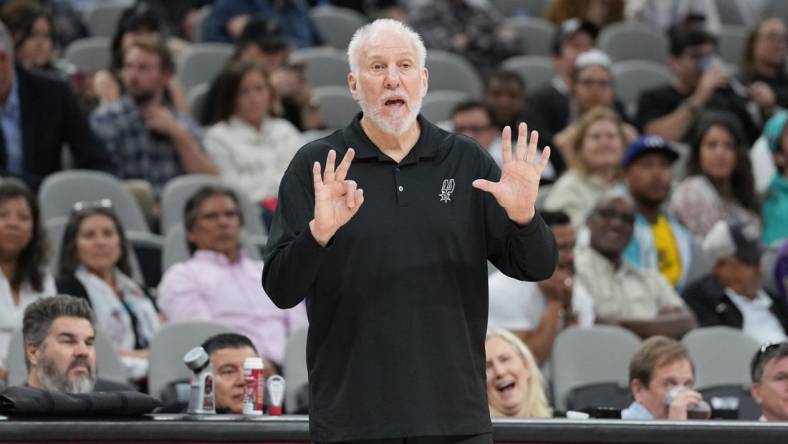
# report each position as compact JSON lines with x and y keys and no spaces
{"x":6,"y":42}
{"x":40,"y":315}
{"x":615,"y":193}
{"x":380,"y":26}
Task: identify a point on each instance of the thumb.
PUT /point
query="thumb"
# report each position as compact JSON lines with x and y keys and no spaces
{"x":484,"y":185}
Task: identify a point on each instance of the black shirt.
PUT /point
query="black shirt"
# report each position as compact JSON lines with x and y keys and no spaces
{"x":397,"y":301}
{"x":778,"y":84}
{"x":663,"y":100}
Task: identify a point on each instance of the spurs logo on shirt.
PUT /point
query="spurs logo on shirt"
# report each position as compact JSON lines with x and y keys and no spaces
{"x":446,"y":190}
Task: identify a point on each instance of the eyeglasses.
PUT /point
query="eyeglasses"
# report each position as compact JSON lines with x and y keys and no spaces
{"x":87,"y":205}
{"x":763,"y":352}
{"x":609,"y":213}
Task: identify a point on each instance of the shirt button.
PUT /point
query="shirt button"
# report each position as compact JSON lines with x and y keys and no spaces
{"x":401,"y":188}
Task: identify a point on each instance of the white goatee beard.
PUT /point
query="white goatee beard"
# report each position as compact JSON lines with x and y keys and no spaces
{"x":375,"y":115}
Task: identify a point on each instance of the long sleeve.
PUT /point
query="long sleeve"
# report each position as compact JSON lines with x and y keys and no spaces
{"x":180,"y":296}
{"x":86,"y":148}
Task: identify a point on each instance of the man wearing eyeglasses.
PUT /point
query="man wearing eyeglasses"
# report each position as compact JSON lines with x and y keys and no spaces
{"x":769,"y":371}
{"x":640,"y":300}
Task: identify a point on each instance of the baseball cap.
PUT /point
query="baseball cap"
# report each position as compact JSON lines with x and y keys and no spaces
{"x":569,"y":28}
{"x":649,"y":144}
{"x":733,"y":240}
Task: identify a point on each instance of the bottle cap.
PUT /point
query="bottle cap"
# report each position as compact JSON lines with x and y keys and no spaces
{"x":196,"y":359}
{"x":274,"y":410}
{"x":253,"y":363}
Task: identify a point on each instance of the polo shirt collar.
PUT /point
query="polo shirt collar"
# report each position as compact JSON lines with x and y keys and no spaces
{"x":426,"y":146}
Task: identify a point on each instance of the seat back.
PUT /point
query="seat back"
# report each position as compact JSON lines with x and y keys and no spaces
{"x":633,"y":41}
{"x":632,"y":77}
{"x":324,"y":66}
{"x":536,"y":34}
{"x":336,"y":24}
{"x":201,"y":62}
{"x":294,"y":365}
{"x":452,"y":72}
{"x":61,"y":190}
{"x":336,"y":105}
{"x":721,"y":355}
{"x":104,"y":17}
{"x":730,"y":41}
{"x":170,"y":345}
{"x":437,"y":106}
{"x":535,"y":70}
{"x":179,"y":189}
{"x":108,"y":364}
{"x":585,"y":356}
{"x":89,"y":54}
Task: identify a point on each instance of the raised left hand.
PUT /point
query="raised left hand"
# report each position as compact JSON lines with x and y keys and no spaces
{"x":516,"y":191}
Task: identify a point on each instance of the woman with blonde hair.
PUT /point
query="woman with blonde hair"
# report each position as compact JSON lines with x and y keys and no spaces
{"x":515,"y":386}
{"x":595,"y":154}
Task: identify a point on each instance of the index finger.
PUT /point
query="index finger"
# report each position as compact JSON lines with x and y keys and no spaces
{"x":344,"y":166}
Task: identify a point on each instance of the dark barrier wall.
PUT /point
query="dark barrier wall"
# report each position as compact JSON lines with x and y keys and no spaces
{"x":295,"y":429}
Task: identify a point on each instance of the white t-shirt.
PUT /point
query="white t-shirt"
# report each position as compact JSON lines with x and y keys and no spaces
{"x":519,"y":305}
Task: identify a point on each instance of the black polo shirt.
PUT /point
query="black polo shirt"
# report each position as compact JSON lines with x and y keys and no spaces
{"x":397,"y":301}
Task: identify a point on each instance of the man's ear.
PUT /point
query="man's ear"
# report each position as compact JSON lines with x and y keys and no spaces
{"x":425,"y":81}
{"x":635,"y":387}
{"x":755,"y":390}
{"x":31,"y":353}
{"x":352,"y":84}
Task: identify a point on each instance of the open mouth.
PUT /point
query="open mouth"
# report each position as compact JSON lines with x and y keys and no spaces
{"x":505,"y":388}
{"x":394,"y":102}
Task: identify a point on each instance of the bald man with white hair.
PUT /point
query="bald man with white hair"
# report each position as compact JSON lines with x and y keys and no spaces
{"x":390,"y":247}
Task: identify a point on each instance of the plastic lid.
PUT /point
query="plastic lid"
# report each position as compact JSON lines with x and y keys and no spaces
{"x":196,"y":358}
{"x":274,"y":410}
{"x":253,"y":363}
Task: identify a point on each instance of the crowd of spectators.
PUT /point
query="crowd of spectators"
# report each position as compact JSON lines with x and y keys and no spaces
{"x":663,"y":212}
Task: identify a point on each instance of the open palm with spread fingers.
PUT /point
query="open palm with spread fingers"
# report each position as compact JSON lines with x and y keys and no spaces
{"x":519,"y":184}
{"x":336,"y":199}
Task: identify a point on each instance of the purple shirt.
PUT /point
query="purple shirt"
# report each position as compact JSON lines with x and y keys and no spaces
{"x":209,"y":287}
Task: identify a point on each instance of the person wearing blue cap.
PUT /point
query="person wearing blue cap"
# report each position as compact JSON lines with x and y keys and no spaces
{"x":659,"y":240}
{"x":775,"y":205}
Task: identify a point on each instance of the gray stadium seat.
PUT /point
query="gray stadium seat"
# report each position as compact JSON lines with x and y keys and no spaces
{"x":536,"y":34}
{"x":103,"y":18}
{"x":108,"y":364}
{"x":62,"y":189}
{"x":324,"y":66}
{"x":336,"y":24}
{"x":452,"y":72}
{"x":336,"y":105}
{"x":730,"y":42}
{"x":437,"y":106}
{"x":90,"y":54}
{"x":294,"y":367}
{"x":176,"y":247}
{"x":511,"y":8}
{"x":635,"y":76}
{"x":168,"y":347}
{"x":196,"y":98}
{"x":633,"y":41}
{"x":535,"y":70}
{"x":730,"y":12}
{"x":178,"y":190}
{"x":198,"y":32}
{"x":201,"y":62}
{"x":586,"y":356}
{"x":721,"y":355}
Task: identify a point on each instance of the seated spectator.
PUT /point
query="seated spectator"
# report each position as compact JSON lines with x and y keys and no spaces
{"x":220,"y":282}
{"x":732,"y":294}
{"x":94,"y":265}
{"x":591,"y":86}
{"x":763,"y":64}
{"x":23,"y":276}
{"x":769,"y":371}
{"x":595,"y":154}
{"x":32,"y":29}
{"x":59,"y":335}
{"x":599,"y":13}
{"x":667,"y":15}
{"x":659,"y":241}
{"x":147,"y":138}
{"x":572,"y":38}
{"x":775,"y":204}
{"x":33,"y":145}
{"x":470,"y":29}
{"x":475,"y":120}
{"x":640,"y":300}
{"x":702,"y":83}
{"x":138,"y":22}
{"x":720,"y":185}
{"x":537,"y":312}
{"x":229,"y":17}
{"x":514,"y":383}
{"x":250,"y":147}
{"x":262,"y":43}
{"x":227,"y":352}
{"x":659,"y":366}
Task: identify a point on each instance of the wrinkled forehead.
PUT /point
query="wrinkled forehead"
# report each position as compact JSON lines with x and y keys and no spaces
{"x":388,"y":45}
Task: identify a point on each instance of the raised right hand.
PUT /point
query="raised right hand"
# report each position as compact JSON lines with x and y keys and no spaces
{"x":336,"y":199}
{"x":677,"y":410}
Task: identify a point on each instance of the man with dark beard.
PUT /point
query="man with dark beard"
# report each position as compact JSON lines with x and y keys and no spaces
{"x":59,"y":337}
{"x":145,"y":136}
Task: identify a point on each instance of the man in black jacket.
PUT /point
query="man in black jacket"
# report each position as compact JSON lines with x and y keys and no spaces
{"x":731,"y":295}
{"x":38,"y":116}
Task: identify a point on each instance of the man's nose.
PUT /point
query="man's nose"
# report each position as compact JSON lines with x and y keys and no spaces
{"x":392,"y":79}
